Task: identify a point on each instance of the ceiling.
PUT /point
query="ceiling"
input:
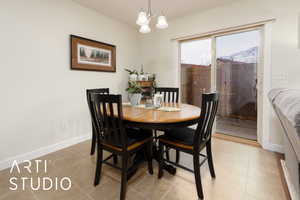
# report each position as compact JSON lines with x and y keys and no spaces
{"x":127,"y":10}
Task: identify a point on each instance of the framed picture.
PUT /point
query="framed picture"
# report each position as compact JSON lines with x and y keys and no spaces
{"x":92,"y":55}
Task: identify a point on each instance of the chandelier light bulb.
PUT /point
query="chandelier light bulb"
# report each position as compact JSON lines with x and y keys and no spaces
{"x":162,"y":22}
{"x":142,"y":19}
{"x":145,"y":16}
{"x":145,"y":29}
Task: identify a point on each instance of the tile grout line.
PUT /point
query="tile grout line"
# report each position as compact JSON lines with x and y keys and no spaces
{"x":4,"y":195}
{"x":139,"y":193}
{"x":81,"y":191}
{"x":166,"y":193}
{"x":36,"y":198}
{"x":247,"y":177}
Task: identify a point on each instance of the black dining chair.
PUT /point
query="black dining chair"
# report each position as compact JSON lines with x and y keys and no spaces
{"x":170,"y":95}
{"x":193,"y":141}
{"x":115,"y":138}
{"x":88,"y":95}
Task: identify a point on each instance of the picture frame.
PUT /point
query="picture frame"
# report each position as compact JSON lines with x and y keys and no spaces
{"x":299,"y":30}
{"x":87,"y":54}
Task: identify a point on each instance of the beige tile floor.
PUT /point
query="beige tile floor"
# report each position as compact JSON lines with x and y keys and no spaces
{"x":243,"y":173}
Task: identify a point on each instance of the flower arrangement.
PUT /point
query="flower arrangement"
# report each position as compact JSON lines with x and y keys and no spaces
{"x":134,"y":88}
{"x":140,"y":85}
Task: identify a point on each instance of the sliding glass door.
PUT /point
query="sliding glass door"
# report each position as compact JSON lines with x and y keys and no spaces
{"x":226,"y":63}
{"x":236,"y":78}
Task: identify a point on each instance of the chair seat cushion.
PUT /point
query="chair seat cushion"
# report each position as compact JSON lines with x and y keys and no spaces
{"x":180,"y":135}
{"x":134,"y":135}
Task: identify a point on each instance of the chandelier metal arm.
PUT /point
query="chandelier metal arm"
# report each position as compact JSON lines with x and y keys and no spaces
{"x":144,"y":19}
{"x":149,"y":8}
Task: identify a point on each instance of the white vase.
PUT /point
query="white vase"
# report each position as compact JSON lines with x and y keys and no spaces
{"x":133,"y":77}
{"x":135,"y":99}
{"x":142,"y":77}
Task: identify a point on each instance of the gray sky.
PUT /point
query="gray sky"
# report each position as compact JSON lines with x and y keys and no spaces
{"x":199,"y":51}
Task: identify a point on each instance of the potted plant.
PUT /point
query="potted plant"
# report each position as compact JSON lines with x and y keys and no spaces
{"x":133,"y":74}
{"x":134,"y":93}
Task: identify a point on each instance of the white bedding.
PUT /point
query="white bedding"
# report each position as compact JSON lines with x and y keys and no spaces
{"x":288,"y":101}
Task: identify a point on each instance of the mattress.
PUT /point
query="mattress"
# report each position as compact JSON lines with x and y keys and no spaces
{"x":287,"y":101}
{"x":286,"y":104}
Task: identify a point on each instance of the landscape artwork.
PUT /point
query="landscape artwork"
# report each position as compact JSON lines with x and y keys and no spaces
{"x":87,"y":54}
{"x":93,"y":56}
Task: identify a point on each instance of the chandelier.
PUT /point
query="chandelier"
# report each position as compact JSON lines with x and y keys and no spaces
{"x":145,"y":17}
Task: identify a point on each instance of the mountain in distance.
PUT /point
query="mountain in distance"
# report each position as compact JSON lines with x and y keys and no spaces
{"x":246,"y":56}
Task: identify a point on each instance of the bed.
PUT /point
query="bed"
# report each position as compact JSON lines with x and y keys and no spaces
{"x":286,"y":104}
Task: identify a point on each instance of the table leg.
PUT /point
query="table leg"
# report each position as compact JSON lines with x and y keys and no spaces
{"x":140,"y":157}
{"x":169,"y":168}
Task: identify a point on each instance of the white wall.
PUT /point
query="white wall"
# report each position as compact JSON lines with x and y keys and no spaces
{"x":159,"y":52}
{"x":42,"y":101}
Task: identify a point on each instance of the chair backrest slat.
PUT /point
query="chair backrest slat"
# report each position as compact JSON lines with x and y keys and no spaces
{"x":170,"y":95}
{"x":108,"y":116}
{"x":89,"y":92}
{"x":98,"y":90}
{"x":173,"y":96}
{"x":207,"y":117}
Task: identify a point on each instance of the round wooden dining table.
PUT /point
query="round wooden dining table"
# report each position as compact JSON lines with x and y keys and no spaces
{"x":159,"y":119}
{"x":150,"y":118}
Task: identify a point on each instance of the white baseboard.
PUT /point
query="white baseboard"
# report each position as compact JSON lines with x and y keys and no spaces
{"x":273,"y":147}
{"x":4,"y":164}
{"x":291,"y":188}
